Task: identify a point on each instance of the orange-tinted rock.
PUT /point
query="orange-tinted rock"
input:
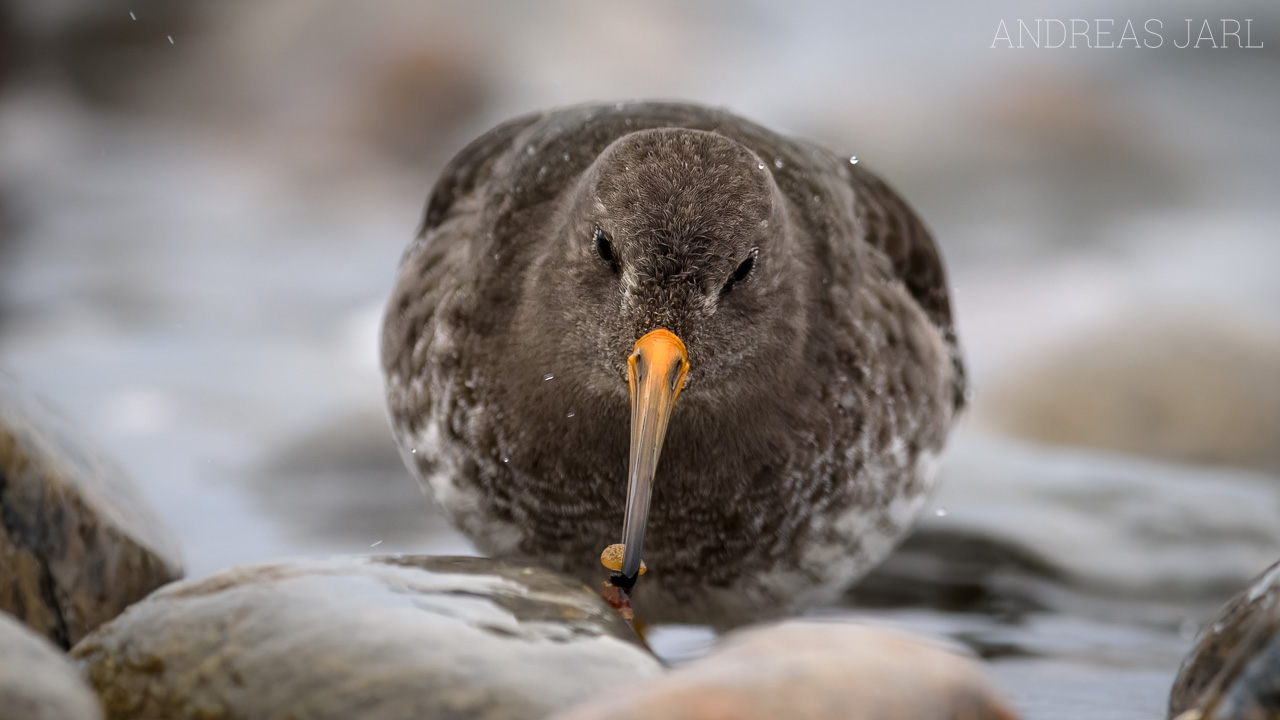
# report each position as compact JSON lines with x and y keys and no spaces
{"x":811,"y":671}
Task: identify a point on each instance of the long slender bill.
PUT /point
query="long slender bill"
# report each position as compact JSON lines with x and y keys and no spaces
{"x":656,"y":371}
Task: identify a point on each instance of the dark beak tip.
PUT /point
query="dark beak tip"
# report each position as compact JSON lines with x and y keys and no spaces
{"x":623,"y":581}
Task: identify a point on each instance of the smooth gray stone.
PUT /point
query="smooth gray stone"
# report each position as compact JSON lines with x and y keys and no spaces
{"x":37,"y":682}
{"x":78,"y":541}
{"x":390,"y":637}
{"x":1105,"y":524}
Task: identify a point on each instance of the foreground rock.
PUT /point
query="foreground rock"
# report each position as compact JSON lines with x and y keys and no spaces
{"x":78,"y":541}
{"x":810,"y":671}
{"x":1234,"y":670}
{"x":1184,"y":391}
{"x":347,"y":638}
{"x":36,"y":680}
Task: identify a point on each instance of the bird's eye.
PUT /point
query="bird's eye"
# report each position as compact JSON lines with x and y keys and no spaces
{"x":742,"y":272}
{"x":604,"y":248}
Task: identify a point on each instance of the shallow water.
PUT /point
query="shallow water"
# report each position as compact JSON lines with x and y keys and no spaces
{"x":209,"y":313}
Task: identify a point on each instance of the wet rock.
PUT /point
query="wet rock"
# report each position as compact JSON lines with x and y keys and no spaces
{"x":1186,"y":391}
{"x":1028,"y":527}
{"x":957,"y":570}
{"x":78,"y":541}
{"x":810,"y":671}
{"x":386,"y":637}
{"x":37,"y":682}
{"x":1234,"y":670}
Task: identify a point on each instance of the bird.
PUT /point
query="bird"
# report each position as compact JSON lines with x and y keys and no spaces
{"x":735,"y":345}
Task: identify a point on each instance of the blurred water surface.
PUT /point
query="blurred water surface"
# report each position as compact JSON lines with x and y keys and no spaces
{"x":197,"y":234}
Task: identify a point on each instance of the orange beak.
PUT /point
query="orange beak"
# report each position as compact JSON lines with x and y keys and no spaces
{"x":656,"y":371}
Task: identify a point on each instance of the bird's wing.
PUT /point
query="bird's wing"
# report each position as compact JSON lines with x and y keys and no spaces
{"x":894,"y":229}
{"x":432,"y":267}
{"x":470,"y":168}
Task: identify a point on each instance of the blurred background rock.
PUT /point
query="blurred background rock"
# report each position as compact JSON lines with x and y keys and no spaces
{"x":202,"y":205}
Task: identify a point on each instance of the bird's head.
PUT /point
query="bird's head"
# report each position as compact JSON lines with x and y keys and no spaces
{"x":673,"y":269}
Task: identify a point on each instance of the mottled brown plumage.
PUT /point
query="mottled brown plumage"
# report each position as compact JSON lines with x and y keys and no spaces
{"x":822,"y":380}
